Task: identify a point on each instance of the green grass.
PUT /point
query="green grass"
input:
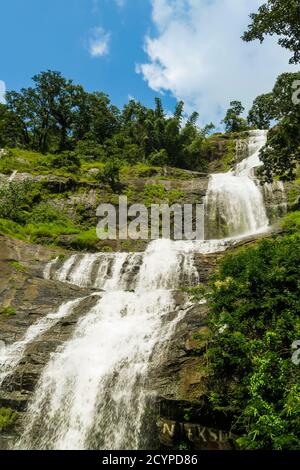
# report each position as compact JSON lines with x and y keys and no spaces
{"x":8,"y":418}
{"x":157,"y":194}
{"x":86,"y":240}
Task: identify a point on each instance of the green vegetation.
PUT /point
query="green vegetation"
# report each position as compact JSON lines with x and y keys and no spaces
{"x":8,"y":418}
{"x":8,"y":311}
{"x":18,"y":266}
{"x":262,"y":112}
{"x":254,"y":321}
{"x":279,"y":17}
{"x":157,"y":194}
{"x":233,"y":120}
{"x":228,"y":159}
{"x":281,"y":155}
{"x":66,"y":125}
{"x":291,"y":222}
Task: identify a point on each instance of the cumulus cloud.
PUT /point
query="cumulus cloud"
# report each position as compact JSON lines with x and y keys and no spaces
{"x":2,"y":91}
{"x":198,"y":56}
{"x":98,"y":43}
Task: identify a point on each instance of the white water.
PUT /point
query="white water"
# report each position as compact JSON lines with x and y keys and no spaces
{"x":93,"y":392}
{"x":235,"y":203}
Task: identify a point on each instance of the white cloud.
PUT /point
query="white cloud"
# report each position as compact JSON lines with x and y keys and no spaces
{"x":198,"y":55}
{"x":2,"y":91}
{"x":98,"y":43}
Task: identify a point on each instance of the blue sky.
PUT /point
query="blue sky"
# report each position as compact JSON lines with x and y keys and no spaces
{"x":180,"y":49}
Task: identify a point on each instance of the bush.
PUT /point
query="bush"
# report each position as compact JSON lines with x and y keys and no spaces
{"x":255,"y":302}
{"x":7,"y":418}
{"x":89,"y":150}
{"x":45,"y":213}
{"x":291,"y":222}
{"x":15,"y":196}
{"x":110,"y":174}
{"x":158,"y":158}
{"x":68,"y":161}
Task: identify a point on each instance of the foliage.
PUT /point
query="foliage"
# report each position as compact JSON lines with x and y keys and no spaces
{"x":15,"y":197}
{"x":7,"y":418}
{"x":110,"y":174}
{"x":69,"y":161}
{"x":254,"y":321}
{"x":55,"y":116}
{"x":291,"y":222}
{"x":281,"y":18}
{"x":157,"y":194}
{"x":282,"y":152}
{"x":86,"y":240}
{"x":262,"y":112}
{"x":233,"y":120}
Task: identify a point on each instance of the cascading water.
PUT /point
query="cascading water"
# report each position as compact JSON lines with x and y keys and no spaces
{"x":93,"y":392}
{"x":234,"y":201}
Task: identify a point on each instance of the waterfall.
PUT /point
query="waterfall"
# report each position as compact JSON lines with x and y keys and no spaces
{"x":235,"y":202}
{"x":93,"y":393}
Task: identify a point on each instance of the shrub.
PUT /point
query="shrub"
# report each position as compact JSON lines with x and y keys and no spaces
{"x":15,"y":197}
{"x":68,"y":161}
{"x":255,"y":303}
{"x":89,"y":150}
{"x":7,"y":418}
{"x":291,"y":222}
{"x":110,"y":174}
{"x":159,"y":158}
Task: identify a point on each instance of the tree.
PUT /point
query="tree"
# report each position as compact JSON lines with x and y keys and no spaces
{"x":56,"y":101}
{"x":233,"y":120}
{"x":15,"y":196}
{"x":282,"y":151}
{"x":95,"y":118}
{"x":279,"y":17}
{"x":110,"y":174}
{"x":262,"y":112}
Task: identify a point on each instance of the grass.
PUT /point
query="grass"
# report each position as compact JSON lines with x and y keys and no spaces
{"x":157,"y":194}
{"x":86,"y":240}
{"x":8,"y":418}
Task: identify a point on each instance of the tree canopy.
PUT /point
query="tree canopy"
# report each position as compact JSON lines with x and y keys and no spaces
{"x":55,"y":115}
{"x":277,"y":17}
